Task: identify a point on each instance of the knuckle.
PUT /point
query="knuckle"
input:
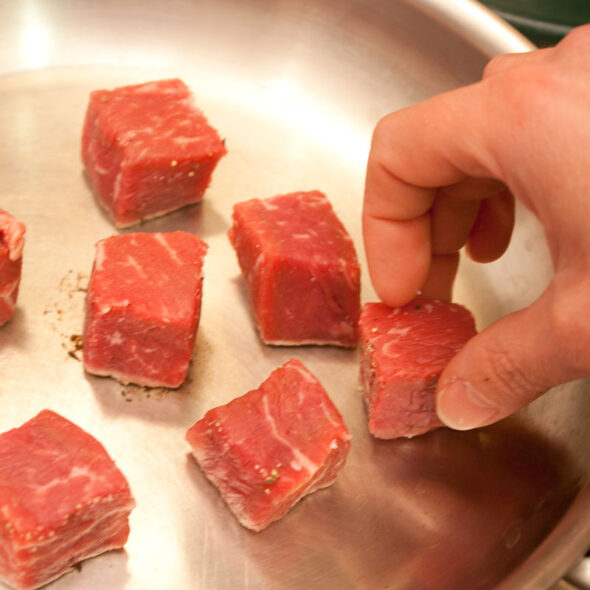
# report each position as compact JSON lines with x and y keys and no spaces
{"x":498,"y":63}
{"x":519,"y":94}
{"x":382,"y":132}
{"x":531,"y":82}
{"x":578,"y":37}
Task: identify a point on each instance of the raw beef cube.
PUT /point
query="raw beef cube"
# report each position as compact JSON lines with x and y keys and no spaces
{"x":403,"y":352}
{"x":62,"y":499}
{"x":148,"y":150}
{"x":12,"y":242}
{"x":268,"y":448}
{"x":143,"y":307}
{"x":300,"y":269}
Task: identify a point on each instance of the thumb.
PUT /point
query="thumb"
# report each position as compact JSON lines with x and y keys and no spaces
{"x":504,"y":367}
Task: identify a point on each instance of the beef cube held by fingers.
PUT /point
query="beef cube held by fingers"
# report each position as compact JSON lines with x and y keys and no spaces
{"x":403,"y":352}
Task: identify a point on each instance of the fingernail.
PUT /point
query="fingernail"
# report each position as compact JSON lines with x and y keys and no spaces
{"x":461,"y":406}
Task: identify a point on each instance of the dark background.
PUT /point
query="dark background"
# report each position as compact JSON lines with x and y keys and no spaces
{"x":544,"y":22}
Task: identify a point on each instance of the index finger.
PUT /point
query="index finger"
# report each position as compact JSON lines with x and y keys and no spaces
{"x":414,"y":151}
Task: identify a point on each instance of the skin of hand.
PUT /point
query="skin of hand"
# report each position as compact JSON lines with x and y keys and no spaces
{"x":444,"y":173}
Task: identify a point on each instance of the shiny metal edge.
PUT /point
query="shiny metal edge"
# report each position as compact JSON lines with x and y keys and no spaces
{"x":579,"y":576}
{"x":486,"y":30}
{"x":552,"y":559}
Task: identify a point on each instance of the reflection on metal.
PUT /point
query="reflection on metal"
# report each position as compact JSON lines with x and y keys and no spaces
{"x":36,"y":36}
{"x":580,"y":575}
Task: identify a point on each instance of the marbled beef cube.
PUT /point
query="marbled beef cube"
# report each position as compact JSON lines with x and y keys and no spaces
{"x":148,"y":150}
{"x":403,"y":352}
{"x":62,"y":500}
{"x":143,"y":307}
{"x":300,"y":269}
{"x":12,"y":242}
{"x":268,"y":448}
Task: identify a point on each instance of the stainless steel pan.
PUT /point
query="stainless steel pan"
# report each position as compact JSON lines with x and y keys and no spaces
{"x":296,"y":88}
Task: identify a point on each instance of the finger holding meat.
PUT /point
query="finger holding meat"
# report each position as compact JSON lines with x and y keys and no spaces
{"x":523,"y":127}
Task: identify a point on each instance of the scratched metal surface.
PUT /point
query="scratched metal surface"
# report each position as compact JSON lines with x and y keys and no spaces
{"x":295,"y":88}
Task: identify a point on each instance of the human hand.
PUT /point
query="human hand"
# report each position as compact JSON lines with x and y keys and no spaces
{"x":443,"y":173}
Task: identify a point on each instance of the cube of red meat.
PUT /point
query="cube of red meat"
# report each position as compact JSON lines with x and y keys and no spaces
{"x":148,"y":150}
{"x":12,"y":242}
{"x":62,"y":499}
{"x":300,"y":269}
{"x":403,"y":352}
{"x":143,"y":307}
{"x":268,"y":448}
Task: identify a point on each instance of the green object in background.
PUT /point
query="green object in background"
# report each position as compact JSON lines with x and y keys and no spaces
{"x":544,"y":22}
